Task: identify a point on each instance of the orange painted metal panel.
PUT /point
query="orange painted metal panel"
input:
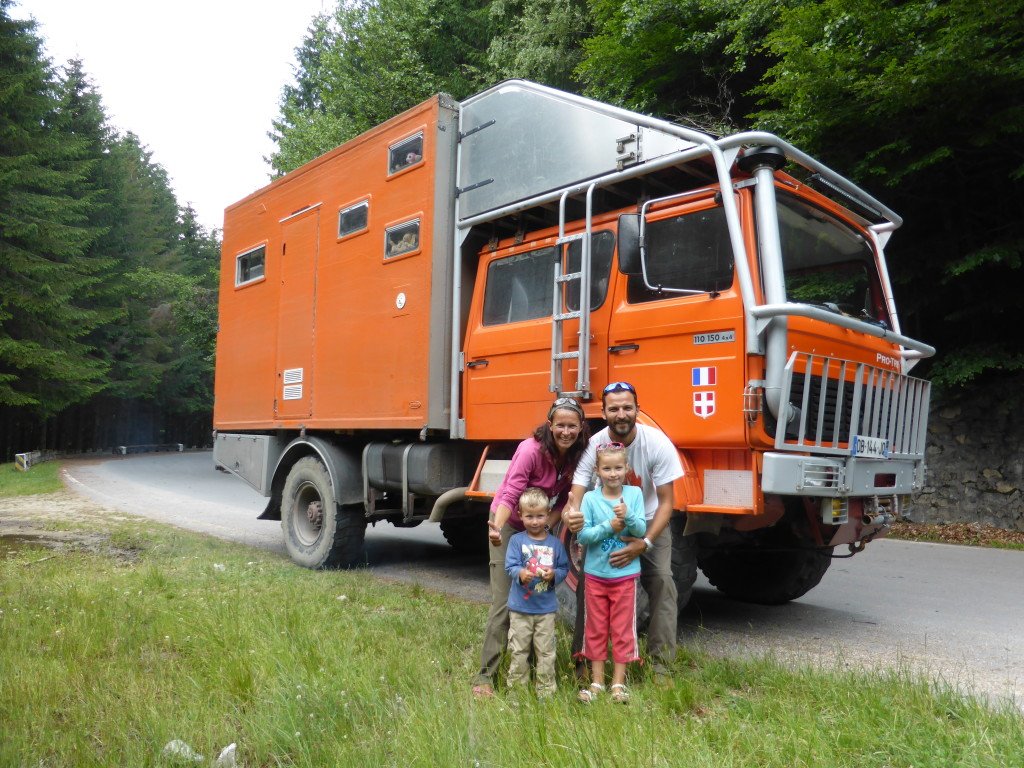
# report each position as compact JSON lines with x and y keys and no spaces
{"x":359,"y":325}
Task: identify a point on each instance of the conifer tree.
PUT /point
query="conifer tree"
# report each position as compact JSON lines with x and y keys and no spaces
{"x":46,"y":277}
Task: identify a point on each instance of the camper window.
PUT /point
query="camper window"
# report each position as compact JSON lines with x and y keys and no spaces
{"x":402,"y":239}
{"x":353,"y":219}
{"x":249,"y":266}
{"x":405,"y":153}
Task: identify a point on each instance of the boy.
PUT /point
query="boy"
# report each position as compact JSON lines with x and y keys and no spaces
{"x":536,"y":562}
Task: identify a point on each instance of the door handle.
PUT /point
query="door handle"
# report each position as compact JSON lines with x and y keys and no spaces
{"x":624,"y":348}
{"x":477,"y":364}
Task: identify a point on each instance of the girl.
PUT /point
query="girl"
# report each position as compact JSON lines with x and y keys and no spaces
{"x":609,"y":511}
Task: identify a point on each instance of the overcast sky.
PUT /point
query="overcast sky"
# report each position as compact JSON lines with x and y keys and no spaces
{"x":199,"y":81}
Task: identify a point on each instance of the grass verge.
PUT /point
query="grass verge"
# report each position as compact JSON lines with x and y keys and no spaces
{"x":42,"y":478}
{"x":969,"y":534}
{"x":107,"y":656}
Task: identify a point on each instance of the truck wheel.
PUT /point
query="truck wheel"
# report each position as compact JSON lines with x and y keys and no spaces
{"x":769,"y":566}
{"x":566,"y":590}
{"x":684,"y":560}
{"x":466,"y":534}
{"x":318,"y":533}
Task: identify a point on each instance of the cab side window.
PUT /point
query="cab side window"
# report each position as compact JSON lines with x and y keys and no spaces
{"x":520,"y":287}
{"x":602,"y":244}
{"x":690,"y":252}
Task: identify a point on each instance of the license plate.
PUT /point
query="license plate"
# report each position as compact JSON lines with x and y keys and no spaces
{"x":870,"y":447}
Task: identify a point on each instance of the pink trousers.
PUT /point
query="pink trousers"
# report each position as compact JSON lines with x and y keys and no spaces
{"x":610,"y":612}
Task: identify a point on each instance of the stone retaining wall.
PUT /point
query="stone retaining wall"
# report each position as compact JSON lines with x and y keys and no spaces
{"x":975,"y":457}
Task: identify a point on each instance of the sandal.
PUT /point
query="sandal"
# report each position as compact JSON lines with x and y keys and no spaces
{"x":589,"y":695}
{"x":620,"y":694}
{"x":483,"y":691}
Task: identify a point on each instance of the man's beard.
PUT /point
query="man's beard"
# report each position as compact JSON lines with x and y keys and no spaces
{"x":623,"y":428}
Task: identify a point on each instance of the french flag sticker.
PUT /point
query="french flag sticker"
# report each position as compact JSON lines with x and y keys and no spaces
{"x":704,"y":377}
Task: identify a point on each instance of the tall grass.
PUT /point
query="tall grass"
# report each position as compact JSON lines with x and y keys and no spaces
{"x":105,"y":658}
{"x":42,"y":478}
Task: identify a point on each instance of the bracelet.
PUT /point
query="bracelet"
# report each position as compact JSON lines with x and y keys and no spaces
{"x":648,"y":542}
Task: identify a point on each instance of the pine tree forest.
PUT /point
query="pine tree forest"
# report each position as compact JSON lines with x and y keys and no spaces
{"x":108,"y":286}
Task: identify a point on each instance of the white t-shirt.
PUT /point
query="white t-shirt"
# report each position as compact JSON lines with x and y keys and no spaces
{"x":653,"y":461}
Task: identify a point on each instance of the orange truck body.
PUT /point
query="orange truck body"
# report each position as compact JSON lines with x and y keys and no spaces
{"x":390,"y":316}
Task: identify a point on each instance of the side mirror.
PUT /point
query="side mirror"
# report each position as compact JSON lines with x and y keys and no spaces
{"x":629,"y":244}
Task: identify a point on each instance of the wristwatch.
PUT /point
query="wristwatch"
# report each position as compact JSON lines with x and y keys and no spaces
{"x":648,"y":542}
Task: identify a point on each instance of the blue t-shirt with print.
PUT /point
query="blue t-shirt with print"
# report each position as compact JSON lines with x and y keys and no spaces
{"x":523,"y":552}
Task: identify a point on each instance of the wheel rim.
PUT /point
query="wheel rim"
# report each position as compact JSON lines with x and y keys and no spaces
{"x":308,"y":514}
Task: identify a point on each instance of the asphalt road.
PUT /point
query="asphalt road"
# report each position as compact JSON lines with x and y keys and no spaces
{"x":953,"y":613}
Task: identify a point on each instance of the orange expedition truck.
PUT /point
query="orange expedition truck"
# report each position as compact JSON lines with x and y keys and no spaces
{"x":396,"y":315}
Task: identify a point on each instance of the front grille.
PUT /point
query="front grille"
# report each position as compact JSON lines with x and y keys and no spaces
{"x":833,"y":400}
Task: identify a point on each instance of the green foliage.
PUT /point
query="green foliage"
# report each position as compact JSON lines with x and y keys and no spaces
{"x":694,"y":60}
{"x":922,"y":98}
{"x":539,"y":40}
{"x":46,"y":274}
{"x":106,"y":286}
{"x":371,"y":60}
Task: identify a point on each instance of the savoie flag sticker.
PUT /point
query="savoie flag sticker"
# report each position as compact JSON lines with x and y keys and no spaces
{"x":704,"y":377}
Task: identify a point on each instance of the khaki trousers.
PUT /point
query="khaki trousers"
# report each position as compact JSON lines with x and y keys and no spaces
{"x":496,"y":633}
{"x":536,"y":632}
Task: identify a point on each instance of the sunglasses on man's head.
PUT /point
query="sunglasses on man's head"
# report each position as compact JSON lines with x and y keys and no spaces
{"x":619,"y":386}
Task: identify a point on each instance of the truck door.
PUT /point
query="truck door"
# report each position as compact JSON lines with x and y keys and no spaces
{"x":297,"y":304}
{"x":508,"y":347}
{"x":680,"y":343}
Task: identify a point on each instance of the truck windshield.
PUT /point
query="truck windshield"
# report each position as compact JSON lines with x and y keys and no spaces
{"x":826,"y":262}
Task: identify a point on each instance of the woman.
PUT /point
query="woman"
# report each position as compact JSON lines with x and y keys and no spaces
{"x":545,"y":460}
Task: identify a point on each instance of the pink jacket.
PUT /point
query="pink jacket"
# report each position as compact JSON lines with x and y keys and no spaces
{"x":532,"y":467}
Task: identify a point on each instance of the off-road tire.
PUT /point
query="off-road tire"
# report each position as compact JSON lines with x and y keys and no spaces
{"x":684,"y":561}
{"x":330,"y":537}
{"x":467,"y":534}
{"x":769,"y":566}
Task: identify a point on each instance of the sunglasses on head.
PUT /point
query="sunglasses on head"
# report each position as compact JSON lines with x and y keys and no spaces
{"x":619,"y":386}
{"x":568,"y":403}
{"x":611,"y":447}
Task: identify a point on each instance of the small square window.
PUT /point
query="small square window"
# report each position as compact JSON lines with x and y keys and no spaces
{"x":353,"y":219}
{"x":400,"y":239}
{"x":405,"y":153}
{"x":250,"y":265}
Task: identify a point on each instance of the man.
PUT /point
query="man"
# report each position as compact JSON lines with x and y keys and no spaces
{"x":653,"y":465}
